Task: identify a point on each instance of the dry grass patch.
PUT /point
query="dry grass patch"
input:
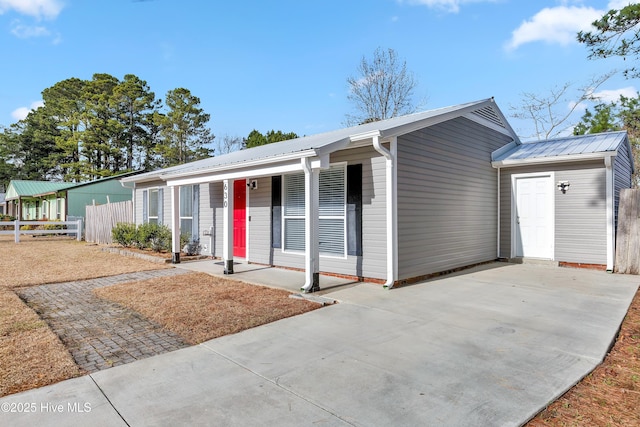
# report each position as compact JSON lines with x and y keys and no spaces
{"x":31,"y":354}
{"x":610,"y":395}
{"x":199,"y":307}
{"x":41,"y":260}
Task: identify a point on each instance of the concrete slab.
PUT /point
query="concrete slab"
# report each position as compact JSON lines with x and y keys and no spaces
{"x":489,"y":346}
{"x":198,"y":387}
{"x":76,"y":402}
{"x":290,"y":280}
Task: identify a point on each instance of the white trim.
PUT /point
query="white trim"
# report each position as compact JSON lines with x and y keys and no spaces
{"x":247,"y":222}
{"x":227,"y":222}
{"x":283,"y":217}
{"x":175,"y":219}
{"x":610,"y":201}
{"x":242,"y":173}
{"x":555,"y":159}
{"x":552,"y":208}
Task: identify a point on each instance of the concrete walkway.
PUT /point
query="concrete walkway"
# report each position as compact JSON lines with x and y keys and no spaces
{"x":490,"y":346}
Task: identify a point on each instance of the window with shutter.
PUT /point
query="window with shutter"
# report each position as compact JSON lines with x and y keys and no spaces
{"x":152,"y":209}
{"x":186,"y":209}
{"x":332,"y":211}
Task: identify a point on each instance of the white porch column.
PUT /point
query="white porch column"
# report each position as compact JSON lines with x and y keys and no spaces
{"x":175,"y":223}
{"x":227,"y":226}
{"x":311,"y":226}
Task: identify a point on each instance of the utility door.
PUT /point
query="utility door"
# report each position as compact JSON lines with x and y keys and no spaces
{"x":534,"y":217}
{"x":240,"y":218}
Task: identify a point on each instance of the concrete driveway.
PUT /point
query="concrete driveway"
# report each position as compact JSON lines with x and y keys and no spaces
{"x":490,"y":346}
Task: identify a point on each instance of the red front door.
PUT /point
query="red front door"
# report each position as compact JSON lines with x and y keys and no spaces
{"x":240,"y":218}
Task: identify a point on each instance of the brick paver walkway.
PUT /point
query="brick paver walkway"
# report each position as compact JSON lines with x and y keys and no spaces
{"x":100,"y":334}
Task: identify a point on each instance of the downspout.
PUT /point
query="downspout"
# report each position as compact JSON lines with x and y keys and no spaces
{"x":498,"y":257}
{"x":391,"y":209}
{"x":609,"y":182}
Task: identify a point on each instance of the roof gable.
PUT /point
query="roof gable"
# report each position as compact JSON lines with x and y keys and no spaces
{"x":484,"y":111}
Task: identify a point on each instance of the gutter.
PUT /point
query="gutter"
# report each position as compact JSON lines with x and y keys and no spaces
{"x":391,"y":210}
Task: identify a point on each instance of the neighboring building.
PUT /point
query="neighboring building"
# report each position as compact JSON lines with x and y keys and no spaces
{"x":44,"y":200}
{"x":390,"y":201}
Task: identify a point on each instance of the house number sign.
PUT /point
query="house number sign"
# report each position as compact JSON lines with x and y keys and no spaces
{"x":226,"y":194}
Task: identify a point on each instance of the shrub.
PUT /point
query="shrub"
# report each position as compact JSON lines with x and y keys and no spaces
{"x":154,"y":236}
{"x":124,"y":234}
{"x":192,"y":248}
{"x":53,"y":225}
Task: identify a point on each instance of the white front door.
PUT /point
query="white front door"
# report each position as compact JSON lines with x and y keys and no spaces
{"x":534,"y":216}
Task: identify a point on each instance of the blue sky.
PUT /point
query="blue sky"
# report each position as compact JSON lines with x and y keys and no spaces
{"x":283,"y":64}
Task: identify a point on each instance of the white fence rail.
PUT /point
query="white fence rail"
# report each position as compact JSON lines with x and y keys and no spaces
{"x":101,"y":219}
{"x":68,"y":227}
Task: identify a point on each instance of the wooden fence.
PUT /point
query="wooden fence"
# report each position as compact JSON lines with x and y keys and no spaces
{"x":101,"y":219}
{"x":39,"y":228}
{"x":628,"y":235}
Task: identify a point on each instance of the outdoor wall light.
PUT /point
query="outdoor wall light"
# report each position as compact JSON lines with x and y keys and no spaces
{"x":252,"y":185}
{"x":563,"y":186}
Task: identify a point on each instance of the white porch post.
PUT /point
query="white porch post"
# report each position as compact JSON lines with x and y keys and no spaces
{"x":175,"y":224}
{"x":227,"y":226}
{"x":311,"y":226}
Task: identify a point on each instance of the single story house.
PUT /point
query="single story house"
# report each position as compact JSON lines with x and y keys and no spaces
{"x":45,"y":200}
{"x":395,"y":200}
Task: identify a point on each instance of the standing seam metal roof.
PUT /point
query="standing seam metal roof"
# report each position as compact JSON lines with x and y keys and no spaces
{"x":572,"y":145}
{"x":302,"y":144}
{"x":23,"y":188}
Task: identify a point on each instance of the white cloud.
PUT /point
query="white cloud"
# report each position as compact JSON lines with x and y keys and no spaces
{"x":554,"y":25}
{"x":23,"y":31}
{"x":614,"y":94}
{"x":22,"y":112}
{"x":37,"y":8}
{"x":452,"y":6}
{"x":619,"y":4}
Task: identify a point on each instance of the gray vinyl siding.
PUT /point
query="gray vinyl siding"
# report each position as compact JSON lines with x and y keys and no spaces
{"x":580,"y":213}
{"x":372,"y":263}
{"x":447,"y":197}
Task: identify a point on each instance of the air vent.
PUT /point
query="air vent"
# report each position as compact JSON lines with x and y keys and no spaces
{"x":488,"y":113}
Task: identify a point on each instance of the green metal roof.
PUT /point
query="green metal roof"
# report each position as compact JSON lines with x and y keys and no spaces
{"x":20,"y":188}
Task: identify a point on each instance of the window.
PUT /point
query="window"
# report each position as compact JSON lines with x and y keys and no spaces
{"x":332,"y":212}
{"x":59,"y":209}
{"x":152,"y":209}
{"x":186,"y":209}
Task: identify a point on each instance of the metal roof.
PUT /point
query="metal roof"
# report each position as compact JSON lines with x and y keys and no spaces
{"x":484,"y":110}
{"x":22,"y":188}
{"x":594,"y":145}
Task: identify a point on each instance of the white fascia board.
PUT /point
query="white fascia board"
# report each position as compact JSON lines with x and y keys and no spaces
{"x":241,"y":165}
{"x":431,"y":121}
{"x":332,"y":147}
{"x":547,"y":160}
{"x":282,"y":168}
